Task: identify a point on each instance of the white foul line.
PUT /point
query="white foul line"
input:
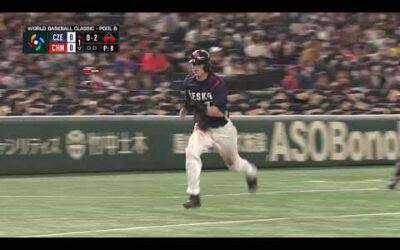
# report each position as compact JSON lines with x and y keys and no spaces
{"x":216,"y":223}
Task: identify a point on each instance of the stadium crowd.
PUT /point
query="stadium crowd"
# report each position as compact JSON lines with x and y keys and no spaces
{"x":342,"y":63}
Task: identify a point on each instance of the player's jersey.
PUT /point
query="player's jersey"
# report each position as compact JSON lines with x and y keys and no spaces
{"x":212,"y":90}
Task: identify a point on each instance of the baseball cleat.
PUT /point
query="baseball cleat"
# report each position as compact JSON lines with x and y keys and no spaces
{"x":392,"y":183}
{"x":252,"y":184}
{"x":252,"y":179}
{"x":192,"y":202}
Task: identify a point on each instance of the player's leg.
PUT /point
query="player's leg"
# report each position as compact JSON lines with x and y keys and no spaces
{"x":199,"y":141}
{"x":396,"y":176}
{"x":226,"y":142}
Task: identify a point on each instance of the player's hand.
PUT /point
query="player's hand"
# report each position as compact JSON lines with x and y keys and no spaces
{"x":182,"y":113}
{"x":201,"y":107}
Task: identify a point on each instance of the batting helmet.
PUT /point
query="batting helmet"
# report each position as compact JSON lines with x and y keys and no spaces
{"x":201,"y":57}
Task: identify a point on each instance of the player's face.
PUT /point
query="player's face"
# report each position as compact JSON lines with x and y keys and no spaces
{"x":198,"y":70}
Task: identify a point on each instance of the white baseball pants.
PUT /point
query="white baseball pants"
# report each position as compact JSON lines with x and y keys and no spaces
{"x":226,"y":142}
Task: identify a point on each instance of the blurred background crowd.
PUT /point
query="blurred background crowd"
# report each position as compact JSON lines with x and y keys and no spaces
{"x":273,"y":63}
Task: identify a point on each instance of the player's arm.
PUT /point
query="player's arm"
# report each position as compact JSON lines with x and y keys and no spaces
{"x":218,"y":106}
{"x":186,"y":106}
{"x":206,"y":108}
{"x":182,"y":112}
{"x":184,"y":109}
{"x":214,"y":111}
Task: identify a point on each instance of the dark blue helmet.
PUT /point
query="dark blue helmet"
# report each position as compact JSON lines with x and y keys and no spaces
{"x":201,"y":57}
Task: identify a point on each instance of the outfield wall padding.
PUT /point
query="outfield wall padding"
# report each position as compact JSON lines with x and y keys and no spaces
{"x":66,"y":144}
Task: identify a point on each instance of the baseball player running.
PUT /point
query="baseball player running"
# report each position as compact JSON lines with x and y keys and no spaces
{"x":206,"y":97}
{"x":394,"y":179}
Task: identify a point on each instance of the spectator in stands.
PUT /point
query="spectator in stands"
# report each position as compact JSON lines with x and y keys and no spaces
{"x":283,"y":50}
{"x":234,"y":67}
{"x":154,"y":61}
{"x":18,"y":106}
{"x":217,"y":59}
{"x":93,"y":80}
{"x":36,"y":109}
{"x":164,"y":84}
{"x":341,"y":81}
{"x":5,"y":108}
{"x":127,"y":62}
{"x":292,"y":78}
{"x":257,"y":47}
{"x":79,"y":110}
{"x":311,"y":55}
{"x":322,"y":81}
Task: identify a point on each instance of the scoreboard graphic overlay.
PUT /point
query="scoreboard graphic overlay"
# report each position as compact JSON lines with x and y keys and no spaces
{"x":45,"y":39}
